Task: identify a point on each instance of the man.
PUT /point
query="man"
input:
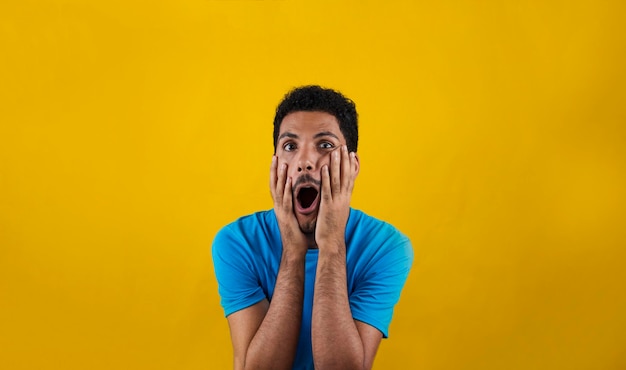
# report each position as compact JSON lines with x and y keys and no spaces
{"x":313,"y":282}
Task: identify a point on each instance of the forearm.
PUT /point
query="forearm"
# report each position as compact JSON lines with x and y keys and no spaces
{"x":336,"y":340}
{"x":275,"y":342}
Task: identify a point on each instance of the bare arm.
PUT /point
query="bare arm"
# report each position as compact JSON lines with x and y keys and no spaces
{"x":339,"y":342}
{"x":265,"y":336}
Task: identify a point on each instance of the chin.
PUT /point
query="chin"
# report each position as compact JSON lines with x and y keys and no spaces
{"x":308,"y":226}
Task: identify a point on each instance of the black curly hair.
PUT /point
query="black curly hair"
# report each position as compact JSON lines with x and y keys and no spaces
{"x":314,"y":98}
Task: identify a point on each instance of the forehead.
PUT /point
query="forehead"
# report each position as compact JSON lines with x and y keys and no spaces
{"x":303,"y":123}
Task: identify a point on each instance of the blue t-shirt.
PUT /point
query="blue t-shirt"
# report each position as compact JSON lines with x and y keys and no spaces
{"x":247,"y":254}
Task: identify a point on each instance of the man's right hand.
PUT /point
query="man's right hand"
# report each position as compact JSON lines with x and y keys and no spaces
{"x":293,"y":238}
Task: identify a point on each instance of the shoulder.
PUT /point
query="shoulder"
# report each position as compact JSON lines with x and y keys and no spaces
{"x":368,"y":235}
{"x":250,"y":224}
{"x":259,"y":228}
{"x":362,"y":225}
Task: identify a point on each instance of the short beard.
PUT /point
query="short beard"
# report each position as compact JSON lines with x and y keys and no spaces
{"x":308,"y":227}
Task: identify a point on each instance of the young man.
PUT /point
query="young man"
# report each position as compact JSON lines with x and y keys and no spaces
{"x":313,"y":282}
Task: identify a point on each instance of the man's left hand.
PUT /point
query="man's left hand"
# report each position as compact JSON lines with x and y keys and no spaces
{"x":337,"y":185}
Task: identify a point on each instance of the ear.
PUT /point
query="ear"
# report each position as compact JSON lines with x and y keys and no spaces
{"x":357,"y":164}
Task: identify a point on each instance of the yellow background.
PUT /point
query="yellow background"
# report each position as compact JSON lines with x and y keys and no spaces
{"x":492,"y":134}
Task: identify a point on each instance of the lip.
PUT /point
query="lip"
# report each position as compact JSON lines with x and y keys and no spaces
{"x":313,"y":207}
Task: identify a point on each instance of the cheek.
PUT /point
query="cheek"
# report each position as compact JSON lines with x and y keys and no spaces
{"x":324,"y":160}
{"x":292,"y":171}
{"x":292,"y":168}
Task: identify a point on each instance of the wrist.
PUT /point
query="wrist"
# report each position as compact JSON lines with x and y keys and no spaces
{"x":294,"y":253}
{"x":332,"y":246}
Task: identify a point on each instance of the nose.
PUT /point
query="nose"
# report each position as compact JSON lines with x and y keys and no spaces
{"x":308,"y":167}
{"x":306,"y":161}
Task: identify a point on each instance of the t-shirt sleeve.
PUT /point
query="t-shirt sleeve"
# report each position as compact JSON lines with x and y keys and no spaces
{"x":238,"y":285}
{"x":378,"y":291}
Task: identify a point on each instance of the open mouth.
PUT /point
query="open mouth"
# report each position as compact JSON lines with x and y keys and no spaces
{"x":307,"y":199}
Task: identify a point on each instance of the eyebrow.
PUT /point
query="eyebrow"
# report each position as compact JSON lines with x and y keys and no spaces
{"x":288,"y":134}
{"x":325,"y":133}
{"x":318,"y":135}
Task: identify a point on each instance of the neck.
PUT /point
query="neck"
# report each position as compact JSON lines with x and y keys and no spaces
{"x":310,"y":241}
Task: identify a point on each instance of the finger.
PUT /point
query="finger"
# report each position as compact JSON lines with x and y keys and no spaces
{"x":346,"y":169}
{"x":273,"y":176}
{"x":335,"y":172}
{"x":326,"y":194}
{"x":353,"y":171}
{"x":287,"y":195}
{"x":280,"y":183}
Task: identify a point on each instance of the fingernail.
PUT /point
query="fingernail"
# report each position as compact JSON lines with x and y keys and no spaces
{"x":344,"y":148}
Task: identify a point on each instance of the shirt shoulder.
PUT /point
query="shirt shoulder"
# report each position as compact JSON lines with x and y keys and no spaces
{"x":245,"y":257}
{"x":370,"y":235}
{"x":379,"y":258}
{"x":252,"y":239}
{"x":254,"y":228}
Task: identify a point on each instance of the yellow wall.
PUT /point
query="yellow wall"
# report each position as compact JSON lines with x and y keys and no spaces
{"x":492,"y":133}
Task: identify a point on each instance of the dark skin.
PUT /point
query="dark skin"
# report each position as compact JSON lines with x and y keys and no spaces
{"x":265,"y":335}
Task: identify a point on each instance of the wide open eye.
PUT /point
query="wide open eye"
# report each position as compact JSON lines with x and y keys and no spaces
{"x":289,"y":147}
{"x":326,"y":145}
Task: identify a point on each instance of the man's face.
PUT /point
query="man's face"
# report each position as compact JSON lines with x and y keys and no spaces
{"x":305,"y":142}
